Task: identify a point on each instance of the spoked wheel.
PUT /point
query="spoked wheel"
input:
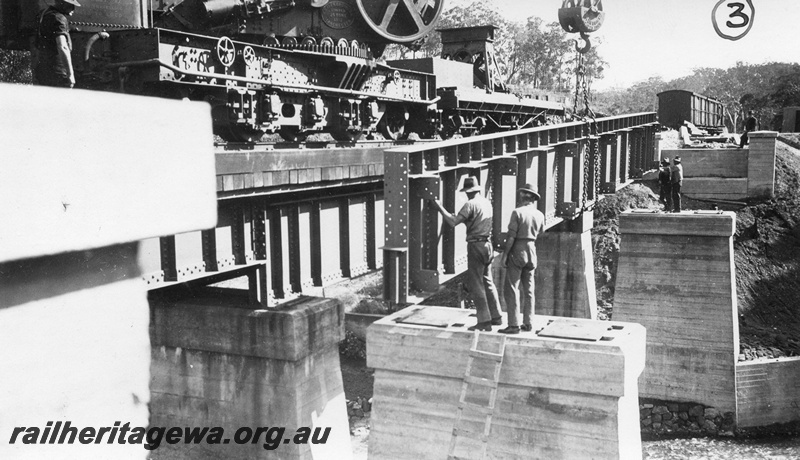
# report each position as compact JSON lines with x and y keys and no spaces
{"x":393,"y":124}
{"x":293,"y":134}
{"x":403,"y":21}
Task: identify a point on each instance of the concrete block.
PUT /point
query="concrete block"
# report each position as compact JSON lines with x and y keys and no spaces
{"x":715,"y":188}
{"x":565,"y":275}
{"x":221,"y":364}
{"x":676,"y":277}
{"x":92,"y":179}
{"x":761,"y":169}
{"x":711,"y":162}
{"x":557,"y":398}
{"x":219,"y":323}
{"x":767,"y":392}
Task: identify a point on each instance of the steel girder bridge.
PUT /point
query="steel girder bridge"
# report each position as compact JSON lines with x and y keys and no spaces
{"x":293,"y":221}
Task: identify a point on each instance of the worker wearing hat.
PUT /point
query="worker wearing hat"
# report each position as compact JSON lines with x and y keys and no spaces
{"x":665,"y":185}
{"x":519,"y":258}
{"x":53,"y":44}
{"x":476,"y":215}
{"x":676,"y":183}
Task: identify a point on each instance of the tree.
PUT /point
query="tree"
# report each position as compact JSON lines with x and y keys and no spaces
{"x":530,"y":54}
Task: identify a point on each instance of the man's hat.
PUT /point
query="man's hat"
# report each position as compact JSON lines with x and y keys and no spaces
{"x":470,"y":185}
{"x":677,"y":160}
{"x":530,"y":190}
{"x":71,"y":2}
{"x":665,"y":162}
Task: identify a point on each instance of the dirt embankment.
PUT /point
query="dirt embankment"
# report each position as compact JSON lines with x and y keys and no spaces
{"x":767,"y":255}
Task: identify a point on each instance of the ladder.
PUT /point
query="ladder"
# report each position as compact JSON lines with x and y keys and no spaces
{"x":474,"y":408}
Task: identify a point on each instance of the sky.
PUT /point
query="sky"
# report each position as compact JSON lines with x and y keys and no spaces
{"x":669,"y":38}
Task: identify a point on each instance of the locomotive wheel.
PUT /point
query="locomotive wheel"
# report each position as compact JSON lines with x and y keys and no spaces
{"x":293,"y":134}
{"x":402,"y":21}
{"x":393,"y":124}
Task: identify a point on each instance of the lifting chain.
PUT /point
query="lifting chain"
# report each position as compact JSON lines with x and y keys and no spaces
{"x":586,"y":171}
{"x":597,"y":163}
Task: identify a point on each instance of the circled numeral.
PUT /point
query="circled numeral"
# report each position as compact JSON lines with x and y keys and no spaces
{"x":733,"y":19}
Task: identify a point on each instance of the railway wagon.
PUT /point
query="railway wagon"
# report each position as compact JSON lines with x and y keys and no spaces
{"x":677,"y":106}
{"x":294,"y":68}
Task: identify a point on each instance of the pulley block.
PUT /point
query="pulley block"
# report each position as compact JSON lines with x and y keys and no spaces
{"x":581,"y":15}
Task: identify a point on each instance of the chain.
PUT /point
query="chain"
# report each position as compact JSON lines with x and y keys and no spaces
{"x":597,"y":164}
{"x":586,"y":171}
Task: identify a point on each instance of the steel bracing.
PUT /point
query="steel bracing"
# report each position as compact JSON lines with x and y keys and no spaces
{"x":572,"y":164}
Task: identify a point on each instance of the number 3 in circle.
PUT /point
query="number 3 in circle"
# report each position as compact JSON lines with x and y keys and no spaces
{"x":739,"y":19}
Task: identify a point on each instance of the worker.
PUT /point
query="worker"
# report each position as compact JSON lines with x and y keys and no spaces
{"x":476,"y":215}
{"x":750,"y":125}
{"x":519,"y":258}
{"x":53,"y":44}
{"x":665,"y":185}
{"x":676,"y":183}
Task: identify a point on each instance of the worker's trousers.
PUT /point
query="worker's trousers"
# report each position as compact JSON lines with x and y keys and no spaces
{"x":479,"y":279}
{"x":520,"y":267}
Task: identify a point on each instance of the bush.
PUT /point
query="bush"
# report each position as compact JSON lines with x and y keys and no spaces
{"x":352,"y":347}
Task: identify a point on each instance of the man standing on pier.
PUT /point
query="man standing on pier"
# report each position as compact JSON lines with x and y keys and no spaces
{"x":519,"y":258}
{"x":750,"y":125}
{"x":665,"y":185}
{"x":677,"y":182}
{"x":476,"y":214}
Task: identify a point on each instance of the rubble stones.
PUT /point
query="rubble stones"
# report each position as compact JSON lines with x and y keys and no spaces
{"x":657,"y":417}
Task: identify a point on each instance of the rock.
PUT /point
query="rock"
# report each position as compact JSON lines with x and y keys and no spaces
{"x":647,"y":422}
{"x":656,"y":426}
{"x":656,"y":419}
{"x":647,"y":406}
{"x":696,"y":411}
{"x":667,"y":416}
{"x":683,"y":415}
{"x":644,"y":413}
{"x":710,"y":427}
{"x":673,"y":407}
{"x":711,"y":413}
{"x":660,"y":410}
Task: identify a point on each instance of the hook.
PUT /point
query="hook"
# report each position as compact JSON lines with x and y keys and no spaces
{"x":586,"y":47}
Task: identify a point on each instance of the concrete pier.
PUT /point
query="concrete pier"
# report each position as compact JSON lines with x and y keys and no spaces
{"x":565,"y":276}
{"x":676,"y":278}
{"x":557,"y":398}
{"x":218,"y":362}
